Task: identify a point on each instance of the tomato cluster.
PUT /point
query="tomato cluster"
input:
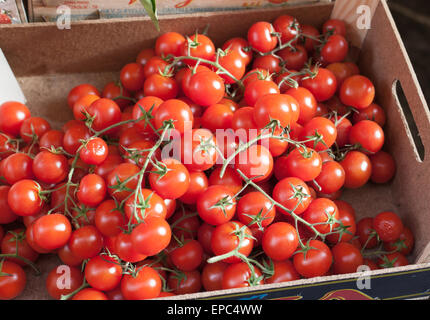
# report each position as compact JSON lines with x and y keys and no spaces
{"x":201,"y":169}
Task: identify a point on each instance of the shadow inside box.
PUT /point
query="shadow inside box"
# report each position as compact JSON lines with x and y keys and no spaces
{"x":412,"y":18}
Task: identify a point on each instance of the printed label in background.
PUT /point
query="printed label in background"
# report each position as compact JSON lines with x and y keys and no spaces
{"x":9,"y":86}
{"x":9,"y":13}
{"x":45,"y":10}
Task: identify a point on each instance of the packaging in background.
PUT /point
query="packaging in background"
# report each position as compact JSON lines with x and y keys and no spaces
{"x":9,"y":13}
{"x":46,"y":10}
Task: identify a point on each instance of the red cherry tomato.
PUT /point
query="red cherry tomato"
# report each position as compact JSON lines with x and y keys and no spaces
{"x":316,"y":262}
{"x":346,"y":258}
{"x":388,"y":226}
{"x":261,"y":38}
{"x":357,"y":91}
{"x":280,"y":241}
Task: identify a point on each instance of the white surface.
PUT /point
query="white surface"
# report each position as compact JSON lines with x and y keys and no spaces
{"x":9,"y":87}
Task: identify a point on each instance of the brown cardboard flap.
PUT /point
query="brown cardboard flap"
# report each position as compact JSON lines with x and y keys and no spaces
{"x":385,"y":61}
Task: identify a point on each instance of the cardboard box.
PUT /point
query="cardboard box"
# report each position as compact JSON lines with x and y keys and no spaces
{"x":94,"y":52}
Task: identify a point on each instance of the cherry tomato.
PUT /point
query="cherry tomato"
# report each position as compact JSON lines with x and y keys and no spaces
{"x":230,"y":179}
{"x":116,"y":92}
{"x":198,"y":184}
{"x":275,"y":107}
{"x":68,"y":257}
{"x":316,"y":262}
{"x":283,"y":271}
{"x":79,"y":91}
{"x":392,"y":260}
{"x":171,"y":179}
{"x":125,"y":250}
{"x":261,"y":38}
{"x":256,"y":163}
{"x":81,"y":106}
{"x":323,"y":130}
{"x":185,"y":282}
{"x":24,"y":198}
{"x":234,"y":63}
{"x":270,"y":63}
{"x":90,"y":294}
{"x":187,"y":256}
{"x":404,"y":244}
{"x":152,"y":236}
{"x":294,"y":58}
{"x":255,"y":210}
{"x":388,"y":226}
{"x":14,"y":242}
{"x":331,"y":178}
{"x":303,"y":164}
{"x":227,"y":237}
{"x":33,"y":128}
{"x":12,"y":280}
{"x":216,"y":205}
{"x":217,"y":116}
{"x":109,"y":219}
{"x":346,"y":258}
{"x":347,"y":219}
{"x":149,"y":204}
{"x":280,"y":241}
{"x":212,"y":275}
{"x":56,"y":283}
{"x":50,"y":167}
{"x":161,"y":86}
{"x":239,"y":275}
{"x":52,"y":231}
{"x":307,"y":103}
{"x":94,"y":151}
{"x":169,"y":43}
{"x":287,"y":26}
{"x":16,"y":167}
{"x":324,"y":213}
{"x":145,"y":55}
{"x":92,"y":190}
{"x":199,"y":150}
{"x":293,"y":194}
{"x":259,"y":88}
{"x":323,"y":85}
{"x":174,"y":110}
{"x":240,"y":45}
{"x":206,"y":88}
{"x":309,"y":43}
{"x":198,"y":46}
{"x":121,"y":180}
{"x":335,"y":49}
{"x":366,"y":233}
{"x":103,"y":273}
{"x":358,"y":169}
{"x":357,"y":91}
{"x":86,"y":242}
{"x":132,"y":76}
{"x":342,"y":71}
{"x":145,"y":108}
{"x":335,"y":26}
{"x":373,"y":112}
{"x":368,"y":135}
{"x":73,"y":136}
{"x":12,"y":117}
{"x":105,"y":113}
